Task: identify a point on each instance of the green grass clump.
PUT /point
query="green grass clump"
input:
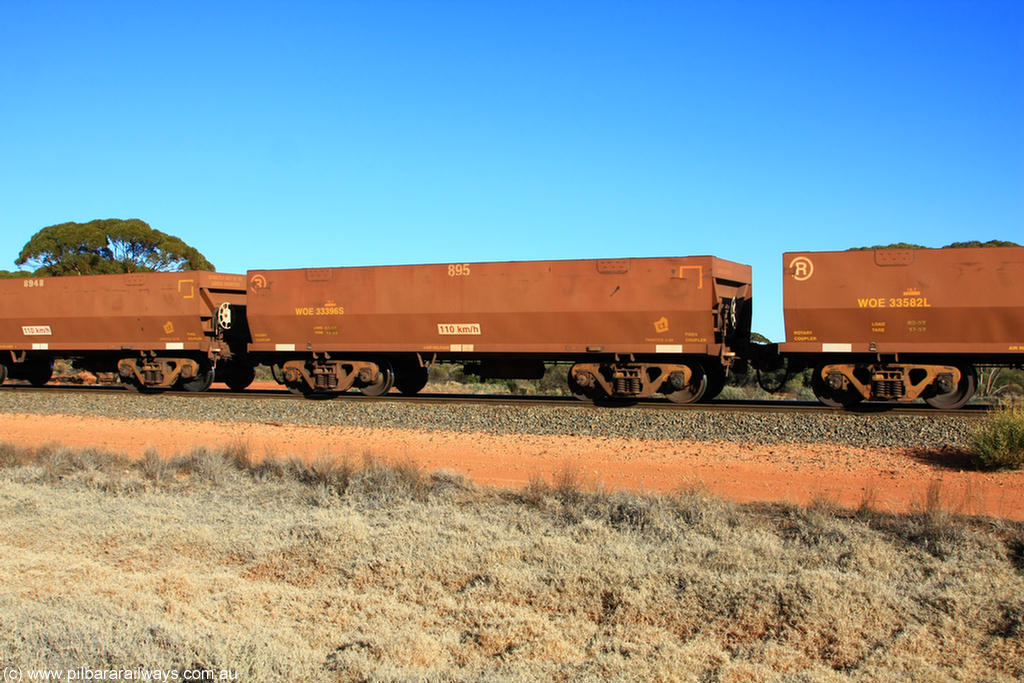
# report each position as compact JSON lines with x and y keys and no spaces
{"x":998,"y":442}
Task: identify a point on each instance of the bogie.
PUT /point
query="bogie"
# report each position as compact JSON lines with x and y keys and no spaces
{"x":680,"y":382}
{"x":842,"y":385}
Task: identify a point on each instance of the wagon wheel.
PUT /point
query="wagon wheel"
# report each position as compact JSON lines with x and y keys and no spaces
{"x":959,"y":395}
{"x":3,"y":373}
{"x":299,"y":388}
{"x":302,"y":389}
{"x":38,"y":373}
{"x":239,"y":376}
{"x":826,"y":395}
{"x":412,"y":379}
{"x":687,"y":393}
{"x":382,"y":383}
{"x":201,"y":382}
{"x":133,"y":385}
{"x":582,"y":393}
{"x":716,"y":382}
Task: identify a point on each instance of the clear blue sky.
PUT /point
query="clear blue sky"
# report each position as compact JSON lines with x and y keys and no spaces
{"x":341,"y":133}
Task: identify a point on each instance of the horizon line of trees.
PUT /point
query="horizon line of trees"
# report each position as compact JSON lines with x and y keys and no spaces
{"x":115,"y":245}
{"x":954,"y":245}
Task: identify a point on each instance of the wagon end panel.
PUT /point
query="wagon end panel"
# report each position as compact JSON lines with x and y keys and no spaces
{"x":221,"y":309}
{"x":733,"y":304}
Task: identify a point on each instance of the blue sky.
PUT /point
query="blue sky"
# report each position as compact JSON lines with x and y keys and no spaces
{"x":273,"y":134}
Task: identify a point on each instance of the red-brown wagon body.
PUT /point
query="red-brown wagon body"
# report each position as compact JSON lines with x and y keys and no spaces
{"x":914,"y":320}
{"x":126,"y":322}
{"x":503,"y":316}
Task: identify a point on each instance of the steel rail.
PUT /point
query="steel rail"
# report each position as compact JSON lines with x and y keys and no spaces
{"x":866,"y":409}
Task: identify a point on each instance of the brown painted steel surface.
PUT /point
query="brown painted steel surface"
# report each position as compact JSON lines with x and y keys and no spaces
{"x":114,"y":312}
{"x":968,"y":301}
{"x":641,"y":305}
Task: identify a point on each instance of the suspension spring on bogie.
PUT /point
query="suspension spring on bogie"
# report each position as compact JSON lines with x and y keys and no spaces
{"x":627,"y":381}
{"x":888,"y":388}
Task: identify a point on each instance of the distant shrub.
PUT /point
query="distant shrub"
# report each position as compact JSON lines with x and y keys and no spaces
{"x":954,"y":245}
{"x":62,"y":367}
{"x":1000,"y":383}
{"x":894,"y":245}
{"x":554,"y":380}
{"x":977,"y":243}
{"x":998,"y":442}
{"x":264,"y":373}
{"x":449,"y":372}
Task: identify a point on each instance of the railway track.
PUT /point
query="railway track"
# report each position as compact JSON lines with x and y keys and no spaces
{"x":866,"y":409}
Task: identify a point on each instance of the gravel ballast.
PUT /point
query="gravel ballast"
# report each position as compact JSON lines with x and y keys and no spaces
{"x":872,"y":430}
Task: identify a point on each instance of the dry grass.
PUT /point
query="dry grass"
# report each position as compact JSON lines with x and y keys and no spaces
{"x":355,"y":570}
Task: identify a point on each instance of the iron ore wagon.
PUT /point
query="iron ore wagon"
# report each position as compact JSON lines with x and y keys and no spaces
{"x":901,"y":324}
{"x":146,"y":330}
{"x":631,"y":327}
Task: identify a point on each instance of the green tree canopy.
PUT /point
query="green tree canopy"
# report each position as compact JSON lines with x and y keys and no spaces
{"x":954,"y":245}
{"x":976,"y":243}
{"x":894,"y":245}
{"x":108,"y":246}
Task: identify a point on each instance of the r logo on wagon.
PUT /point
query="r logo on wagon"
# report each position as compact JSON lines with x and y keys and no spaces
{"x":801,"y":268}
{"x":451,"y":329}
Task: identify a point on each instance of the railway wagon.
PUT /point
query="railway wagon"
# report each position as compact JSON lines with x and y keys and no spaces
{"x":631,"y":327}
{"x":146,"y":330}
{"x":901,"y":324}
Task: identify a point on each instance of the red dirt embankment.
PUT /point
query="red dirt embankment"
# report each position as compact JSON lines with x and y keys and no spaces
{"x":890,"y":480}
